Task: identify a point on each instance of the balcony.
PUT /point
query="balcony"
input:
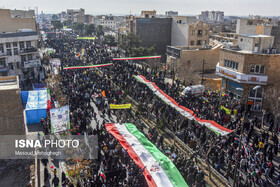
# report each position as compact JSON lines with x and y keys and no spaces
{"x":241,"y":77}
{"x":3,"y":54}
{"x":28,"y":50}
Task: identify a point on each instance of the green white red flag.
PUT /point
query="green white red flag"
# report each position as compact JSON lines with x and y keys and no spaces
{"x":158,"y":168}
{"x":212,"y":125}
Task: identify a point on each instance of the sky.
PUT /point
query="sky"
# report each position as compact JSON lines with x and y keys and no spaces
{"x":121,"y":7}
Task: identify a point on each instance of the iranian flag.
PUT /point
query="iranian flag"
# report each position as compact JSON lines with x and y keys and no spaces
{"x":158,"y":168}
{"x":102,"y":174}
{"x":137,"y":58}
{"x":49,"y":106}
{"x":212,"y":125}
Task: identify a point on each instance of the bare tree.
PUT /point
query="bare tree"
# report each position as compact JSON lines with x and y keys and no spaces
{"x":272,"y":97}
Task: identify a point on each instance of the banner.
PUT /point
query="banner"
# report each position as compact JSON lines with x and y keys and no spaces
{"x":212,"y":125}
{"x":88,"y":66}
{"x":158,"y":168}
{"x":60,"y":120}
{"x":122,"y":106}
{"x":85,"y":38}
{"x":32,"y":63}
{"x":228,"y":111}
{"x":137,"y":58}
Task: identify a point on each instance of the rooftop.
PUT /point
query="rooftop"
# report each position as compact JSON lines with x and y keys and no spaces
{"x":17,"y":34}
{"x":8,"y":83}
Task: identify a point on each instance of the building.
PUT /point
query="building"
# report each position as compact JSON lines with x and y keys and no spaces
{"x":19,"y":54}
{"x":171,"y":13}
{"x":254,"y":26}
{"x":187,"y":32}
{"x":148,"y":14}
{"x":275,"y":31}
{"x":89,"y":19}
{"x":253,"y":62}
{"x":22,"y":13}
{"x":212,"y":16}
{"x":154,"y":31}
{"x":13,"y":21}
{"x":226,"y":38}
{"x":76,"y":15}
{"x":11,"y":111}
{"x":189,"y":64}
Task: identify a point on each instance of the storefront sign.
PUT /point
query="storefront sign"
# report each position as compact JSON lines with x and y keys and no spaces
{"x":4,"y":69}
{"x":32,"y":63}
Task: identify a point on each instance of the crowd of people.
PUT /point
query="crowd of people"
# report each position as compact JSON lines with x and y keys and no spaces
{"x":83,"y":87}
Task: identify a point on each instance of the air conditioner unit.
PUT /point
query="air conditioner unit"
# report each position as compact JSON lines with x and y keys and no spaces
{"x":273,"y":51}
{"x":267,"y":51}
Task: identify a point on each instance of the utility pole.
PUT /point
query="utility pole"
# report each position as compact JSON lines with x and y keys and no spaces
{"x":202,"y":78}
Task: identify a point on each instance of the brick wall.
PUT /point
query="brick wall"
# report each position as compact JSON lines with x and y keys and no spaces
{"x":11,"y":114}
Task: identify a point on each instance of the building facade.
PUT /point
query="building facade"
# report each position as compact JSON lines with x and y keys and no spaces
{"x":11,"y":23}
{"x":212,"y":16}
{"x":154,"y":31}
{"x":11,"y":115}
{"x":148,"y":14}
{"x":75,"y":15}
{"x":19,"y":54}
{"x":244,"y":67}
{"x":253,"y":26}
{"x":171,"y":13}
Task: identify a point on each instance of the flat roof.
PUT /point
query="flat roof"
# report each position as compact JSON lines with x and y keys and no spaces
{"x":8,"y":83}
{"x":17,"y":34}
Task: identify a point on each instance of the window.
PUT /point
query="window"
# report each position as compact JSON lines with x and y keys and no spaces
{"x":15,"y":51}
{"x":199,"y":33}
{"x":241,"y":39}
{"x":28,"y":44}
{"x":205,"y":32}
{"x":2,"y":62}
{"x":29,"y":57}
{"x":14,"y":44}
{"x":231,"y":64}
{"x":8,"y":45}
{"x":23,"y":58}
{"x":21,"y":45}
{"x":9,"y":52}
{"x":198,"y":42}
{"x":11,"y":66}
{"x":257,"y":69}
{"x":193,"y":32}
{"x":1,"y":48}
{"x":180,"y":21}
{"x":192,"y":42}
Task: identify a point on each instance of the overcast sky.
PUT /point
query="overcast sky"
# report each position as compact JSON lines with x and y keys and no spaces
{"x":184,"y":7}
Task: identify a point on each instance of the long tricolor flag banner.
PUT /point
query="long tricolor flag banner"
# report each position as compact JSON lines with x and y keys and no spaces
{"x":88,"y":66}
{"x":159,"y":171}
{"x":137,"y":58}
{"x":212,"y":125}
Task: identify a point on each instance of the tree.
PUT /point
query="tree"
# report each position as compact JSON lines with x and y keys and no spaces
{"x":57,"y":25}
{"x":272,"y":97}
{"x":132,"y":45}
{"x":54,"y":17}
{"x":110,"y":40}
{"x":80,"y":27}
{"x":129,"y":42}
{"x":90,"y":29}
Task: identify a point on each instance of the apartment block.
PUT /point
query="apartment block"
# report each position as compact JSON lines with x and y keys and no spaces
{"x":252,"y":63}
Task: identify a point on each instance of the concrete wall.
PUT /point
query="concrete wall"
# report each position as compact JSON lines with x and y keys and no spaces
{"x":180,"y":31}
{"x":190,"y":63}
{"x":155,"y":31}
{"x":246,"y":43}
{"x":243,"y":28}
{"x":11,"y":114}
{"x":23,"y":13}
{"x":9,"y":24}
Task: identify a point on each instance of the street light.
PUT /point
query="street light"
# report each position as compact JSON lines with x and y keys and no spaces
{"x":242,"y":130}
